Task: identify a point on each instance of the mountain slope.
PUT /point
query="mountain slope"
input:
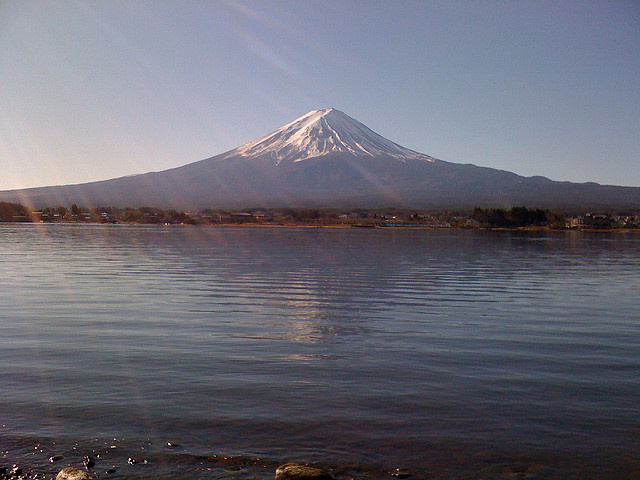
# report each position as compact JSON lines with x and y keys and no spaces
{"x":326,"y":158}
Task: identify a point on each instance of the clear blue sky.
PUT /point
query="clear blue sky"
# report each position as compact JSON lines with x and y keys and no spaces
{"x":91,"y":90}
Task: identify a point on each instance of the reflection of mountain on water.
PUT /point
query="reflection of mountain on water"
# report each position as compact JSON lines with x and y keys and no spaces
{"x":315,"y":297}
{"x":318,"y":286}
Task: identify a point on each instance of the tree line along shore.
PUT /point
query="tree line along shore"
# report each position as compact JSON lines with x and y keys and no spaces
{"x":516,"y":217}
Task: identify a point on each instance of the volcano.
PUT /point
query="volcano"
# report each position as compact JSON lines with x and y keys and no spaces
{"x":324,"y":132}
{"x":327,"y":159}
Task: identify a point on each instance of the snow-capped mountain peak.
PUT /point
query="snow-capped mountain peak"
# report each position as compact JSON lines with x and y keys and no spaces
{"x":323,"y":132}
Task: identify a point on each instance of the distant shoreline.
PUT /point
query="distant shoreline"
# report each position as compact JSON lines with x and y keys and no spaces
{"x":339,"y":226}
{"x":516,"y":218}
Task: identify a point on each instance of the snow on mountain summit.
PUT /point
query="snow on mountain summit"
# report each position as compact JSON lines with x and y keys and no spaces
{"x":323,"y":132}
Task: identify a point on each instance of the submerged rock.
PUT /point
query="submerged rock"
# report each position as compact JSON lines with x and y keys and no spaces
{"x":295,"y":471}
{"x":401,"y":473}
{"x":88,"y":462}
{"x":71,"y":473}
{"x":10,"y":473}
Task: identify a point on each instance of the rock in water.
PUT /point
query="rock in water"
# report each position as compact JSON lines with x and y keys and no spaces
{"x":295,"y":471}
{"x":88,"y":462}
{"x":71,"y":473}
{"x":401,"y":473}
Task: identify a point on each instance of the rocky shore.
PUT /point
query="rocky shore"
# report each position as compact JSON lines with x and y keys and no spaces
{"x":287,"y":471}
{"x":118,"y":459}
{"x":115,"y":460}
{"x":500,"y":470}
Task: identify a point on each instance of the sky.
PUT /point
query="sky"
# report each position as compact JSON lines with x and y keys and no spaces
{"x":91,"y":90}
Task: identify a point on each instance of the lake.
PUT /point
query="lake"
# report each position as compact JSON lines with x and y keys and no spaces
{"x":214,"y":352}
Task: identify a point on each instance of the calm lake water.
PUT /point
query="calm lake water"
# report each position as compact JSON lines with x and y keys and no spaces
{"x":454,"y":354}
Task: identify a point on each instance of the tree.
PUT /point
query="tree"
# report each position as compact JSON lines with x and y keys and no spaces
{"x":10,"y":211}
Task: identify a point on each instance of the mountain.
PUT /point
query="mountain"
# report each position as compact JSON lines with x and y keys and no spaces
{"x":326,"y":158}
{"x":324,"y":132}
